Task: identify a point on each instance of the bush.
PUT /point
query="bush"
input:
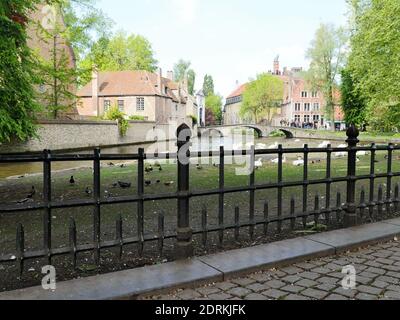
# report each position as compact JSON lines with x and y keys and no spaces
{"x":137,"y":118}
{"x":277,"y":134}
{"x":194,"y":120}
{"x":115,"y":114}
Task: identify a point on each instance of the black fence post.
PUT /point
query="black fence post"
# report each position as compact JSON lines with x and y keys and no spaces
{"x":184,"y":245}
{"x":350,"y":218}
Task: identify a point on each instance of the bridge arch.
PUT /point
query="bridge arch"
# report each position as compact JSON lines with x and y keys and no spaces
{"x":288,"y":134}
{"x":210,"y":130}
{"x":259,"y":132}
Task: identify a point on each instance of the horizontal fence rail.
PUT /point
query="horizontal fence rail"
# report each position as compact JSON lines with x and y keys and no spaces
{"x":347,"y":210}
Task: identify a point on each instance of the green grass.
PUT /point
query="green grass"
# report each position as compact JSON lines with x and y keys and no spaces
{"x":375,"y":136}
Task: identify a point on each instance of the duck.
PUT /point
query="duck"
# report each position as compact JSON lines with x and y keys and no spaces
{"x":124,"y":185}
{"x":72,"y":180}
{"x":276,"y":161}
{"x":299,"y":162}
{"x":258,"y":164}
{"x":88,"y":191}
{"x":274,"y":146}
{"x":147,"y":183}
{"x":199,"y":167}
{"x":324,"y":144}
{"x":297,"y":140}
{"x":169,"y":183}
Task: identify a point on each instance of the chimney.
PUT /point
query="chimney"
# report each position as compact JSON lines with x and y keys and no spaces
{"x":159,"y":81}
{"x":170,"y":75}
{"x":95,"y":91}
{"x":276,"y":66}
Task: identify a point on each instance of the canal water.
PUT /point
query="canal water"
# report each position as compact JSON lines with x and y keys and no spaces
{"x":213,"y":143}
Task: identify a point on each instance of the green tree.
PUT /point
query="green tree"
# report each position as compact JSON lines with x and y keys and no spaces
{"x":327,"y":54}
{"x":85,"y":23}
{"x":208,"y":85}
{"x":121,"y":52}
{"x":182,"y":70}
{"x":214,"y":104}
{"x":353,"y":104}
{"x":375,"y":61}
{"x":17,"y":72}
{"x":58,"y":75}
{"x":262,"y":97}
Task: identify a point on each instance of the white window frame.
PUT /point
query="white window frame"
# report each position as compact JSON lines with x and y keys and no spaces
{"x":139,"y":103}
{"x":106,"y":105}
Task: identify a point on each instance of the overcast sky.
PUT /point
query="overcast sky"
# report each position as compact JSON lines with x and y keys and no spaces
{"x":233,"y":40}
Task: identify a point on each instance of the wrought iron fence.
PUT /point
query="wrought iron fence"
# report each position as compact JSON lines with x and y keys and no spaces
{"x":348,"y":213}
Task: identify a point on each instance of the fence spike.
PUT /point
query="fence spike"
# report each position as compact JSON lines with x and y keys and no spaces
{"x":119,"y":236}
{"x":362,"y":202}
{"x":380,"y":201}
{"x":266,"y":218}
{"x":73,"y":241}
{"x":338,"y":207}
{"x":161,"y":232}
{"x":20,"y":248}
{"x":396,"y":197}
{"x":292,"y":213}
{"x":204,"y":225}
{"x":316,"y":210}
{"x":237,"y":224}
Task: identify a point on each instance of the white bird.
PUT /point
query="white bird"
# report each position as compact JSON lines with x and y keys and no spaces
{"x":258,"y":163}
{"x":299,"y":162}
{"x":297,"y":140}
{"x":284,"y":160}
{"x":261,"y":146}
{"x":274,"y":146}
{"x":362,"y":153}
{"x":324,"y":144}
{"x":341,"y":154}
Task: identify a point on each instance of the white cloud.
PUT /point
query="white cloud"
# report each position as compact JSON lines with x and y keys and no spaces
{"x":185,"y":9}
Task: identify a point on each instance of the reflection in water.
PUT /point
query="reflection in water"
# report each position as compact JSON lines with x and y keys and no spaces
{"x":205,"y":144}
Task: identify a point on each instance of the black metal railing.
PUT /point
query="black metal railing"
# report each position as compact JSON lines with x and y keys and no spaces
{"x":348,"y":214}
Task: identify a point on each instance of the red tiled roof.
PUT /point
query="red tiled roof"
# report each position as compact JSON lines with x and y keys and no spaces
{"x":125,"y":83}
{"x":238,"y":92}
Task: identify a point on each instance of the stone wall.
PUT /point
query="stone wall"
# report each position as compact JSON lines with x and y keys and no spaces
{"x":71,"y":135}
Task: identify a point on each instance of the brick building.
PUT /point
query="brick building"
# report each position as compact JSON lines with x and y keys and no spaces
{"x":138,"y":93}
{"x":301,"y":105}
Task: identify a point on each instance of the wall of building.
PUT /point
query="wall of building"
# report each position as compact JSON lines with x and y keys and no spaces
{"x":232,"y":114}
{"x":65,"y":135}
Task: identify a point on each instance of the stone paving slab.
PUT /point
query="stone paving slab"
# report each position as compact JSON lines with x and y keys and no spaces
{"x":395,"y":221}
{"x":239,"y":261}
{"x":123,"y":284}
{"x":294,"y":283}
{"x":352,"y":238}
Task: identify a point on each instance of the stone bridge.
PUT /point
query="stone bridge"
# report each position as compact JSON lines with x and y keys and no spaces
{"x":262,"y":130}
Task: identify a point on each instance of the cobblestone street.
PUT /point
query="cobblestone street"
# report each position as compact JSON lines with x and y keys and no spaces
{"x":378,"y":278}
